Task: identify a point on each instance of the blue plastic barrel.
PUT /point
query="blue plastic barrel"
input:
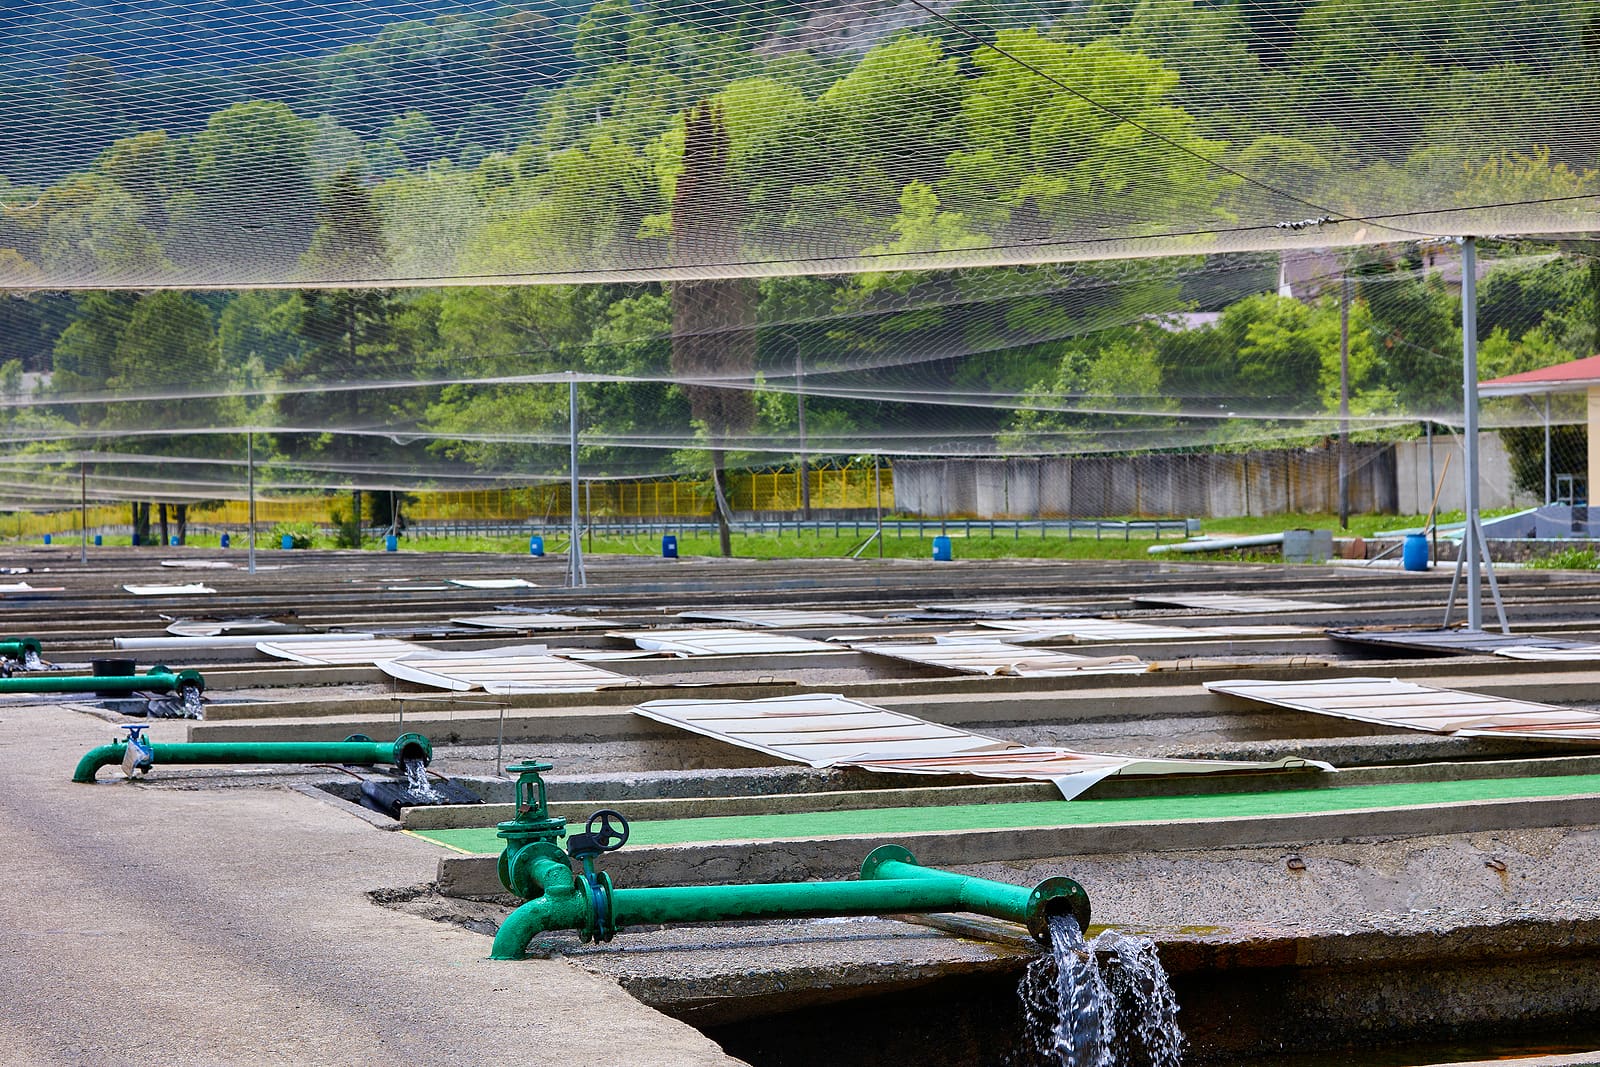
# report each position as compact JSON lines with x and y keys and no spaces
{"x":225,"y":541}
{"x":391,"y":543}
{"x":1414,"y":553}
{"x":535,"y":545}
{"x":47,"y":539}
{"x":135,"y":541}
{"x":941,"y":548}
{"x":288,"y":541}
{"x":669,"y":546}
{"x":174,"y":541}
{"x":97,"y":540}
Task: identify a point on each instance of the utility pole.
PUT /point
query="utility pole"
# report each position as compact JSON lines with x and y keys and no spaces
{"x":1344,"y":401}
{"x":83,"y":512}
{"x":1547,"y":492}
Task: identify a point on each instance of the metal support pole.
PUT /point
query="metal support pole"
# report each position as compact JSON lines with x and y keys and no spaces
{"x":83,"y":512}
{"x":800,"y":410}
{"x":574,"y":543}
{"x":1471,"y":536}
{"x":250,"y":469}
{"x":877,"y":489}
{"x":1344,"y":404}
{"x":1547,"y":493}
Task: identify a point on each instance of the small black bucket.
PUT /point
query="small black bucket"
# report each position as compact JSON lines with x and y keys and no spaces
{"x":112,"y":668}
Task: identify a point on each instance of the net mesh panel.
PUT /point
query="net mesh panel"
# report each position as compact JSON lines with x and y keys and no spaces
{"x":972,"y":229}
{"x":280,"y":142}
{"x":467,"y":388}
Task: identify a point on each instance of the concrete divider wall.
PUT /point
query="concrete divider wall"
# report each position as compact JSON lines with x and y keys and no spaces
{"x":1384,"y":479}
{"x":1188,"y":484}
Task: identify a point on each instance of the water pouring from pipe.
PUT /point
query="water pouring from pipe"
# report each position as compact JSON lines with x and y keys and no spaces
{"x":1105,"y":1002}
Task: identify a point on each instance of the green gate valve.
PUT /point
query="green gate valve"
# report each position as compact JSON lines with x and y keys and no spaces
{"x":532,"y":835}
{"x":606,"y":831}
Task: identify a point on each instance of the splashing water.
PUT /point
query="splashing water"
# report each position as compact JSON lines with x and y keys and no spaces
{"x":1080,"y":1013}
{"x":194,"y":707}
{"x":417,"y":784}
{"x":32,"y":661}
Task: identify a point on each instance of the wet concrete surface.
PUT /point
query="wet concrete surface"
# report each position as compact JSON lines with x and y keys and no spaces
{"x":194,"y":927}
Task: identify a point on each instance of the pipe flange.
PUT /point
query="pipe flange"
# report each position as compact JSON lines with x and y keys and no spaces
{"x":413,"y":746}
{"x":601,"y":925}
{"x":1056,"y":896}
{"x":885,"y":854}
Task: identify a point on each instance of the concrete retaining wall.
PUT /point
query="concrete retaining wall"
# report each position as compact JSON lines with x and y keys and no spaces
{"x":1191,"y":485}
{"x":1415,"y":488}
{"x":1384,"y":479}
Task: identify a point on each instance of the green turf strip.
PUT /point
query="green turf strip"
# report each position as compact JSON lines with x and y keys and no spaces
{"x":1062,"y":813}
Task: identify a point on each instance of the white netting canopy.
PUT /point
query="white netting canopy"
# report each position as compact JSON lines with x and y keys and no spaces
{"x":770,"y":231}
{"x":280,"y":142}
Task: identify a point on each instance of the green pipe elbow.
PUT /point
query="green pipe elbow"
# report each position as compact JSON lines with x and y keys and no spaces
{"x":520,"y":928}
{"x":18,"y":647}
{"x":370,"y":753}
{"x":95,"y":758}
{"x":157,"y":679}
{"x":562,"y":905}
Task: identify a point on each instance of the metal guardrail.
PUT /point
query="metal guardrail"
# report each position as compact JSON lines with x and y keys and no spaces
{"x":896,"y":529}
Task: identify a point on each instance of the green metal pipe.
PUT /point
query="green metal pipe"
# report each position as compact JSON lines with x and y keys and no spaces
{"x":17,"y":648}
{"x":891,"y":883}
{"x":355,"y":751}
{"x":157,"y":679}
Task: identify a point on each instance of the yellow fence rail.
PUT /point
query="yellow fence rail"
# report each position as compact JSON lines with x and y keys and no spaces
{"x":851,"y":488}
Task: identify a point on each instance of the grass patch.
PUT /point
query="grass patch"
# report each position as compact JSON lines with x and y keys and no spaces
{"x":974,"y":542}
{"x":1568,"y":559}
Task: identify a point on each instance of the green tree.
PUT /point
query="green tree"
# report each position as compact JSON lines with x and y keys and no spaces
{"x":713,"y":322}
{"x":168,"y":369}
{"x":1414,"y":323}
{"x":244,"y":215}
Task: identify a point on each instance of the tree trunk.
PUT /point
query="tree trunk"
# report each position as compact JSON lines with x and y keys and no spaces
{"x":719,"y":492}
{"x":163,"y":521}
{"x":183,"y":523}
{"x":141,"y":522}
{"x":133,"y":519}
{"x":355,"y":517}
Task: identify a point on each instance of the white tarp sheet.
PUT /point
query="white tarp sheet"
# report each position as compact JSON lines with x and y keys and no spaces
{"x":491,"y":583}
{"x":720,"y":642}
{"x":780,"y":617}
{"x":1410,"y":706}
{"x":1123,"y":630}
{"x":325,"y":653}
{"x":168,"y":590}
{"x":514,"y":669}
{"x":996,"y":657}
{"x":528,"y":620}
{"x":1246,"y":605}
{"x":827,"y":730}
